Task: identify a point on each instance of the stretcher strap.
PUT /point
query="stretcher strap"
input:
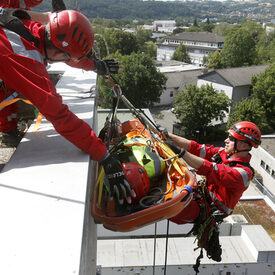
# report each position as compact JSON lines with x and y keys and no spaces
{"x":9,"y":102}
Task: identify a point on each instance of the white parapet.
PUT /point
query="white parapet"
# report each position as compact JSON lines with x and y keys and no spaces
{"x":43,"y":194}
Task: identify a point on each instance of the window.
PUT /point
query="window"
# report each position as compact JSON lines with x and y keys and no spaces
{"x":273,"y":174}
{"x":267,"y":168}
{"x":171,"y":94}
{"x":262,"y":164}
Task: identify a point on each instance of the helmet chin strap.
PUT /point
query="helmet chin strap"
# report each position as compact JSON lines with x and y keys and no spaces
{"x":235,"y":150}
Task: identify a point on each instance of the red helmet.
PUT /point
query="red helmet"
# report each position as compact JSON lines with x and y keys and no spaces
{"x":247,"y":131}
{"x":136,"y":175}
{"x":71,"y":32}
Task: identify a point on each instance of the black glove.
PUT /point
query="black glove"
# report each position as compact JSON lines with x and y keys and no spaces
{"x":107,"y":66}
{"x":119,"y":186}
{"x":58,"y":5}
{"x":176,"y":149}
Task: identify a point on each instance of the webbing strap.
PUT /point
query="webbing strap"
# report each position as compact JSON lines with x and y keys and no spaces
{"x":9,"y":102}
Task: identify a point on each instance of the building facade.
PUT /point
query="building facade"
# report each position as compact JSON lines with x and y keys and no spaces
{"x":198,"y":44}
{"x":164,"y":26}
{"x":234,"y":82}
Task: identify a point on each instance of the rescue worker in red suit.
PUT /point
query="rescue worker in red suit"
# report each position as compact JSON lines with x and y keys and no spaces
{"x":227,"y":169}
{"x":67,"y":37}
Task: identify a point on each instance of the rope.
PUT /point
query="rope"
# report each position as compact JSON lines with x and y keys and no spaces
{"x":155,"y":242}
{"x":166,"y":247}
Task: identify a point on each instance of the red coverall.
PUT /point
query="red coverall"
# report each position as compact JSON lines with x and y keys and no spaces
{"x":22,"y":69}
{"x":225,"y":184}
{"x":26,"y":4}
{"x":8,"y":115}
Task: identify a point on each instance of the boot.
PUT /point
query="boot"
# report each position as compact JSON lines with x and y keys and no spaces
{"x":10,"y":139}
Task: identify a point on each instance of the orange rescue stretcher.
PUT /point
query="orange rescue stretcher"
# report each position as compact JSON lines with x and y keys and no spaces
{"x":165,"y":196}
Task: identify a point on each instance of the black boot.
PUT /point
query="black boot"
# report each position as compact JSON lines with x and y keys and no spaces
{"x":10,"y":139}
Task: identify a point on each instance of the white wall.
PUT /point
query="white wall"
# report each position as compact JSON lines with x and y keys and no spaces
{"x":165,"y":98}
{"x":264,"y":163}
{"x":219,"y":87}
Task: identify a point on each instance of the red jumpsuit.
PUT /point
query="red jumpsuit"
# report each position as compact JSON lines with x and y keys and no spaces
{"x":26,"y":4}
{"x":225,"y":183}
{"x":8,"y":115}
{"x":22,"y":69}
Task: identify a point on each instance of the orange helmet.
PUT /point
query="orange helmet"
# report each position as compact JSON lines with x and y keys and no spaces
{"x":246,"y":131}
{"x":137,"y":177}
{"x":71,"y":32}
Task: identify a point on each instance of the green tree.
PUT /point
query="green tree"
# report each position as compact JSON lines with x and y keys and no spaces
{"x":123,"y":42}
{"x":151,"y":49}
{"x":221,"y":29}
{"x":265,"y":47}
{"x":239,"y":48}
{"x":140,"y":82}
{"x":181,"y":54}
{"x":248,"y":109}
{"x":142,"y":37}
{"x":263,"y":89}
{"x":197,"y":107}
{"x":215,"y":60}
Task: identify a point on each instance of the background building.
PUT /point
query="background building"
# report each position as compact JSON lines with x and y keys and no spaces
{"x":198,"y":44}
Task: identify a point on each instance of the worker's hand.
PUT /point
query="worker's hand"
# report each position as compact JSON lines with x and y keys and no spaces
{"x":58,"y":5}
{"x":120,"y":188}
{"x":176,"y":149}
{"x":163,"y":131}
{"x":108,"y":66}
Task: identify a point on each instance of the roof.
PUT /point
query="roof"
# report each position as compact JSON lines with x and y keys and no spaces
{"x":197,"y":36}
{"x":268,"y":143}
{"x":239,"y":76}
{"x":173,"y":79}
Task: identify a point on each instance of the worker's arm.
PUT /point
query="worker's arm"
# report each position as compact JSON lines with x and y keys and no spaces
{"x":180,"y":141}
{"x":192,"y":160}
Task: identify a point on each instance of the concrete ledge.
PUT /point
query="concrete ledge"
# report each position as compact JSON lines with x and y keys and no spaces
{"x":44,"y":192}
{"x":259,"y":243}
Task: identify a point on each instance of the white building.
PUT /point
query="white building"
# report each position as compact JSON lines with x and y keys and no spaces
{"x":178,"y":75}
{"x":164,"y":25}
{"x":263,"y":162}
{"x":234,"y":82}
{"x":198,"y":44}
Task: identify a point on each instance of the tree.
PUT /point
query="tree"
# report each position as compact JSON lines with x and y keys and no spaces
{"x":197,"y":107}
{"x":181,"y":54}
{"x":248,"y":109}
{"x":263,"y":89}
{"x":239,"y":48}
{"x":140,"y":82}
{"x":221,"y":29}
{"x":151,"y":49}
{"x":215,"y":60}
{"x":142,"y":37}
{"x":123,"y":42}
{"x":266,"y":46}
{"x":195,"y":23}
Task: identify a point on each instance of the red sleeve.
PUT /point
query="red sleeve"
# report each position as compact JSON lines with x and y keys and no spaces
{"x":32,"y":81}
{"x":202,"y":150}
{"x":85,"y":64}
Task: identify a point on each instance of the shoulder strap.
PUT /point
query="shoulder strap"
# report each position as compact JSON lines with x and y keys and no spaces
{"x":10,"y":19}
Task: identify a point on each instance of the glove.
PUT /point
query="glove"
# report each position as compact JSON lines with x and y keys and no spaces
{"x":176,"y":149}
{"x":119,"y":186}
{"x":107,"y":66}
{"x":163,"y":131}
{"x":58,"y":5}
